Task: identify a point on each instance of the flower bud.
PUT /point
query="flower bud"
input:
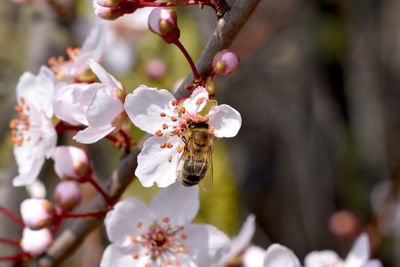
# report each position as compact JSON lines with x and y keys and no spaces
{"x":108,"y":13}
{"x":70,"y":163}
{"x":108,"y":3}
{"x":155,"y":69}
{"x":225,"y":62}
{"x":37,"y":213}
{"x":67,"y":194}
{"x":36,"y":242}
{"x":163,"y":21}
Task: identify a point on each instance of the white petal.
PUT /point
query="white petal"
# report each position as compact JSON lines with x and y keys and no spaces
{"x":359,"y":253}
{"x":322,"y":258}
{"x":72,"y":100}
{"x":206,"y":243}
{"x":226,"y":120}
{"x":277,"y":256}
{"x":118,"y":257}
{"x":94,"y":45}
{"x":153,"y":165}
{"x":30,"y":158}
{"x":373,"y":263}
{"x":104,"y":108}
{"x":49,"y":136}
{"x":180,"y":204}
{"x":253,"y":257}
{"x":120,"y":221}
{"x":91,"y":134}
{"x":191,"y":105}
{"x":145,"y":105}
{"x":242,"y":240}
{"x":103,"y":75}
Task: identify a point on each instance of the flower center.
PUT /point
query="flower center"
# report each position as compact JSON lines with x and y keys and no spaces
{"x":58,"y":64}
{"x":19,"y":127}
{"x":162,"y":242}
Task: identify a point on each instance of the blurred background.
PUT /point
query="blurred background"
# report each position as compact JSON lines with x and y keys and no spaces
{"x":318,"y":157}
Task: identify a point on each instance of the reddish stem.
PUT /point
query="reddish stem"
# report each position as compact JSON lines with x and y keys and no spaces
{"x":12,"y":216}
{"x":112,"y":138}
{"x":100,"y":213}
{"x":127,"y":140}
{"x":167,"y":4}
{"x":62,"y":127}
{"x":189,"y":59}
{"x":106,"y":197}
{"x":9,"y":242}
{"x":18,"y":256}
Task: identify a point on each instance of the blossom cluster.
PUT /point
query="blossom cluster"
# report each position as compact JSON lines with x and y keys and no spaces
{"x":80,"y":95}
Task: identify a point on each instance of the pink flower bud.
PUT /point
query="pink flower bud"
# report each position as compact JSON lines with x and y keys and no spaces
{"x":108,"y":13}
{"x":37,"y":213}
{"x":36,"y":242}
{"x":70,"y":163}
{"x":225,"y":62}
{"x":67,"y":194}
{"x":163,"y":21}
{"x":108,"y":3}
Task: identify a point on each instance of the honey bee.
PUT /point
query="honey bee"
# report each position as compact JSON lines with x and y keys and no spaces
{"x":195,"y":164}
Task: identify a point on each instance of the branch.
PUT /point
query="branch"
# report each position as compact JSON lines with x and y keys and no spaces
{"x":226,"y":31}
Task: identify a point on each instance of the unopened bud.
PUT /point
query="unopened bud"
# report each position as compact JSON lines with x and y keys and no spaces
{"x":108,"y":3}
{"x":67,"y":194}
{"x":225,"y":62}
{"x":108,"y":13}
{"x":37,"y":213}
{"x":36,"y":242}
{"x":70,"y":163}
{"x":163,"y":21}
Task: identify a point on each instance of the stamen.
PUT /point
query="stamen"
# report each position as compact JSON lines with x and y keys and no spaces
{"x":165,"y":126}
{"x":211,"y":130}
{"x":139,"y":224}
{"x":169,"y":145}
{"x":19,"y":108}
{"x":166,"y":220}
{"x":206,"y":119}
{"x":176,"y":262}
{"x":22,"y":100}
{"x":133,"y":239}
{"x":186,"y":250}
{"x":147,"y":265}
{"x":168,"y":261}
{"x":199,"y":101}
{"x":177,"y":250}
{"x":170,"y":158}
{"x":179,"y":149}
{"x":174,"y":102}
{"x":182,"y":110}
{"x":183,"y":236}
{"x":173,"y":119}
{"x":135,"y":256}
{"x":162,"y":114}
{"x":159,"y":133}
{"x":163,"y":145}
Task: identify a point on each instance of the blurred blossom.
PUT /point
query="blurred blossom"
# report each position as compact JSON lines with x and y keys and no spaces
{"x":161,"y":233}
{"x":345,"y":224}
{"x":36,"y":242}
{"x":33,"y":132}
{"x":67,"y":194}
{"x":37,"y":213}
{"x":76,"y":69}
{"x":241,"y":242}
{"x":155,"y":68}
{"x":70,"y":163}
{"x":36,"y":189}
{"x":169,"y":120}
{"x":277,"y":256}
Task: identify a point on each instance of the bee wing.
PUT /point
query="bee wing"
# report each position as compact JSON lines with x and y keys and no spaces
{"x":207,"y":181}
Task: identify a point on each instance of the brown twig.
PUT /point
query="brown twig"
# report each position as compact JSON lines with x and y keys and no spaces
{"x":227,"y":29}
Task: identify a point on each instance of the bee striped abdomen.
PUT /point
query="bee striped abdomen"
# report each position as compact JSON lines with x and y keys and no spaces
{"x":193,"y":171}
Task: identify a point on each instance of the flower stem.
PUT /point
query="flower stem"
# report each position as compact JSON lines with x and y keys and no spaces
{"x":12,"y":216}
{"x":9,"y":242}
{"x":189,"y":59}
{"x":62,"y":127}
{"x":106,"y":197}
{"x":100,"y":213}
{"x":18,"y":256}
{"x":167,"y":4}
{"x":127,"y":140}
